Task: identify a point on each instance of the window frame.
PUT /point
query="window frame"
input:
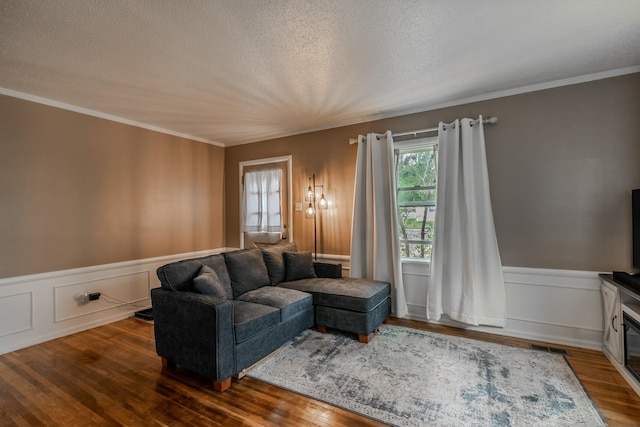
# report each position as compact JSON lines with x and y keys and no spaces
{"x":411,"y":146}
{"x":288,"y":222}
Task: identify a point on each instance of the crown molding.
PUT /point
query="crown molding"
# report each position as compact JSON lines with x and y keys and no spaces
{"x":358,"y":120}
{"x":100,"y":115}
{"x":460,"y":101}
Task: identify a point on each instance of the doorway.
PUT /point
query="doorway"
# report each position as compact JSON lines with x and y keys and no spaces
{"x":265,"y":234}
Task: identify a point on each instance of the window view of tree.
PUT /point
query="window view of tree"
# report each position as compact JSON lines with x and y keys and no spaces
{"x":416,"y":179}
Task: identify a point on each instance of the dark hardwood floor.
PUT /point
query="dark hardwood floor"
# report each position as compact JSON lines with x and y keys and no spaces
{"x":111,"y":375}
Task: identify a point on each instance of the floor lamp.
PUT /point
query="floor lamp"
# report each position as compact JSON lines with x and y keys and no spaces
{"x":314,"y":205}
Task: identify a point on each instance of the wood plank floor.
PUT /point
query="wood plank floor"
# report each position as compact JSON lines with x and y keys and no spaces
{"x":111,"y":375}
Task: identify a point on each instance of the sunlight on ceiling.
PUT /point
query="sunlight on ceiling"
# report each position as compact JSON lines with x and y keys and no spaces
{"x":233,"y":72}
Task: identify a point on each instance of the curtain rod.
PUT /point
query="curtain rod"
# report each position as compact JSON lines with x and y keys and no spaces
{"x":489,"y":121}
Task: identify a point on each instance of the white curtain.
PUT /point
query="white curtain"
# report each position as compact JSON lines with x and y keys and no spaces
{"x":467,"y":281}
{"x":261,"y":201}
{"x":375,"y":248}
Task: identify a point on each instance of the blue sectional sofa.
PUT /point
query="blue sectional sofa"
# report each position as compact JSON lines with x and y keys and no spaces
{"x":218,"y":315}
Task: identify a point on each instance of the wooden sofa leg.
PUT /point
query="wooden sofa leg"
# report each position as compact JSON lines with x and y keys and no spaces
{"x":363,"y":338}
{"x":322,"y":329}
{"x":166,"y":363}
{"x":222,"y":385}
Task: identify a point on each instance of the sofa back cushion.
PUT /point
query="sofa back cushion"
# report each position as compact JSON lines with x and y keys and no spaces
{"x":247,"y":270}
{"x":178,"y":276}
{"x":274,"y":260}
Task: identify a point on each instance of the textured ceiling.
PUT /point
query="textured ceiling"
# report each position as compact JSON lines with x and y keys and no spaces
{"x":231,"y":72}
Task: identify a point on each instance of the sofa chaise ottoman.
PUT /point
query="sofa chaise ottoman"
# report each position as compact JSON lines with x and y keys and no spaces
{"x":218,"y":315}
{"x":347,"y":304}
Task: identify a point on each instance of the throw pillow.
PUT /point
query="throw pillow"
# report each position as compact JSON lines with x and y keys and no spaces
{"x":275,"y":261}
{"x":208,"y":283}
{"x":247,"y":270}
{"x":299,"y":265}
{"x":217,"y":264}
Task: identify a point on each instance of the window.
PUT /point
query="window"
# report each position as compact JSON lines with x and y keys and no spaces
{"x":416,"y":176}
{"x":261,"y":201}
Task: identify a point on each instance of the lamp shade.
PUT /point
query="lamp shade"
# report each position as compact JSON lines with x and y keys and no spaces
{"x":310,"y":211}
{"x":322,"y":203}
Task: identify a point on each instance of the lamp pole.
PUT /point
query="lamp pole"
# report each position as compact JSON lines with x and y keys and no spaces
{"x":315,"y":213}
{"x":312,"y":209}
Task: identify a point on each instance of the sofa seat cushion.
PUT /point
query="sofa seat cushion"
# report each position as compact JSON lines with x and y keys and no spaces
{"x":289,"y":301}
{"x":347,"y":293}
{"x":250,"y":319}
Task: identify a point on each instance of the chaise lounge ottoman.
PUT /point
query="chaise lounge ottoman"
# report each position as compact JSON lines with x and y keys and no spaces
{"x":348,"y":304}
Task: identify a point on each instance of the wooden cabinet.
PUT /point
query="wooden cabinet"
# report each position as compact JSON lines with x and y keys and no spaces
{"x":612,"y":321}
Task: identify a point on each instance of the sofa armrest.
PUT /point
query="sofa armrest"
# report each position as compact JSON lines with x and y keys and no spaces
{"x":195,"y":331}
{"x":329,"y":270}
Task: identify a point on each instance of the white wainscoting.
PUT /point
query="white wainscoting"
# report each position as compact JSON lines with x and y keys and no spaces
{"x":41,"y":307}
{"x":556,"y":306}
{"x":16,"y":313}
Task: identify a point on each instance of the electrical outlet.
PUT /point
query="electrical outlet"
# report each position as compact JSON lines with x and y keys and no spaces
{"x":86,"y":297}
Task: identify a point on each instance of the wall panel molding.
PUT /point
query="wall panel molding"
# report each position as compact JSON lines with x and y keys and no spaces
{"x":119,"y":290}
{"x":556,"y":306}
{"x":16,"y":313}
{"x":45,"y":306}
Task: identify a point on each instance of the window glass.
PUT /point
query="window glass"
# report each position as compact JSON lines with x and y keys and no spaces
{"x":416,"y":179}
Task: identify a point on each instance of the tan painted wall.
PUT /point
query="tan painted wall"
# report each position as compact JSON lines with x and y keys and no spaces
{"x":331,"y":158}
{"x":561,"y":161}
{"x":77,"y":191}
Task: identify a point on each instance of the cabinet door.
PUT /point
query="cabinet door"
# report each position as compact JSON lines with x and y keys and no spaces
{"x":612,"y":321}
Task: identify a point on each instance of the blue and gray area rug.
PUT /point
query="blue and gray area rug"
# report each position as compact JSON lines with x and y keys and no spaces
{"x":407,"y":377}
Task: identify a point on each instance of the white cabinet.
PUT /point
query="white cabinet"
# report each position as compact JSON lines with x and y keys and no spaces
{"x":612,"y":321}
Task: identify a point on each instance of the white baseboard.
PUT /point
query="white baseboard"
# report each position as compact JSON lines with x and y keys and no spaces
{"x":41,"y":307}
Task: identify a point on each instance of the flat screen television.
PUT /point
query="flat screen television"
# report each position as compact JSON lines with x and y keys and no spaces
{"x":633,"y":280}
{"x":635,"y":226}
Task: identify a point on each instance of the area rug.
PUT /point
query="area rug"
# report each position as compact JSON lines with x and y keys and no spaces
{"x":407,"y":377}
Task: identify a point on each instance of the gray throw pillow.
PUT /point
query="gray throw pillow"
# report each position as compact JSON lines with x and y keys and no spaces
{"x":217,"y":264}
{"x":207,"y":282}
{"x":275,"y":260}
{"x":299,"y":265}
